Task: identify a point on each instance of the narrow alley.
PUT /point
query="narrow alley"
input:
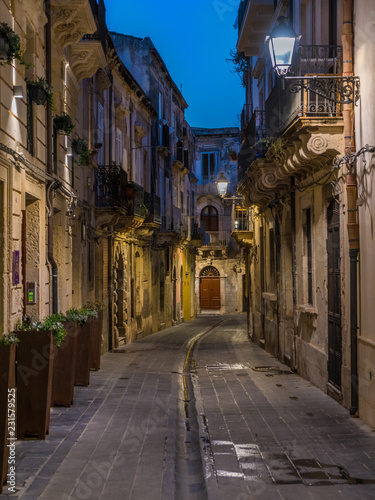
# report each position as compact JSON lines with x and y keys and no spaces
{"x":198,"y":411}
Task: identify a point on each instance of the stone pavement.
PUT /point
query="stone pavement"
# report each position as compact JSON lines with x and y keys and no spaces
{"x":198,"y":412}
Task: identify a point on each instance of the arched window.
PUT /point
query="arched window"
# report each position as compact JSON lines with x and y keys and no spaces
{"x":210,"y":218}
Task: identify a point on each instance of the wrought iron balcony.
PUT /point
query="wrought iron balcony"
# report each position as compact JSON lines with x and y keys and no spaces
{"x":319,"y":60}
{"x":242,"y":228}
{"x":117,"y":199}
{"x":152,"y":203}
{"x":253,"y":145}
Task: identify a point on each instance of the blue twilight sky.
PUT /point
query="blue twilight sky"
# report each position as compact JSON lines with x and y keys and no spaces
{"x":194,"y":38}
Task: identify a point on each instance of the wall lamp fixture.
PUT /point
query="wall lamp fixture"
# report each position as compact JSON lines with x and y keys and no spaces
{"x":281,"y":43}
{"x":18,"y":91}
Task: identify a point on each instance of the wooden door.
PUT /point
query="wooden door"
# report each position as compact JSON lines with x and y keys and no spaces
{"x":334,"y":296}
{"x":210,"y":293}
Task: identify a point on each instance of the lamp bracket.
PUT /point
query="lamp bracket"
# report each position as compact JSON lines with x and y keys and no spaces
{"x":338,"y":89}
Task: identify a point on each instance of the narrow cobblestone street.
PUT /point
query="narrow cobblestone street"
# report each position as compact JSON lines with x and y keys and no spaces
{"x":197,"y":411}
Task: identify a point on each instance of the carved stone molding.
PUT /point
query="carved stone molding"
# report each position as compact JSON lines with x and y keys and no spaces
{"x":307,"y":148}
{"x":121,"y":110}
{"x":71,"y":20}
{"x":86,"y":57}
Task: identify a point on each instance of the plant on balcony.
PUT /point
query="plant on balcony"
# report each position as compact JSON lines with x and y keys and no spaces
{"x":232,"y":154}
{"x":81,"y":148}
{"x":10,"y":45}
{"x":240,"y":65}
{"x":63,"y":123}
{"x":40,"y":92}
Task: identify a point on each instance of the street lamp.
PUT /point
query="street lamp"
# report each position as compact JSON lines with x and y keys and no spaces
{"x":222,"y":185}
{"x":281,"y":44}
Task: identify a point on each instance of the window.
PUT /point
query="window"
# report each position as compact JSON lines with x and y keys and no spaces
{"x":100,"y":132}
{"x":160,"y":124}
{"x":307,"y":234}
{"x":208,"y":166}
{"x":210,"y":218}
{"x":119,"y":146}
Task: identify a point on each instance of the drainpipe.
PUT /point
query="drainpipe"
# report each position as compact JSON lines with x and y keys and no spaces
{"x":351,"y":191}
{"x":294,"y":287}
{"x":49,"y":162}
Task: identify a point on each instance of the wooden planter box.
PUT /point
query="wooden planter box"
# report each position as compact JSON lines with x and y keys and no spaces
{"x":64,"y":367}
{"x":96,"y":327}
{"x":7,"y":381}
{"x":82,"y":371}
{"x":34,"y":383}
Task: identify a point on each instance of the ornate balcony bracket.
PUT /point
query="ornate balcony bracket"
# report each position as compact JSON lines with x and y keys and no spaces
{"x":87,"y":57}
{"x":243,"y":238}
{"x":308,"y":149}
{"x":71,"y":20}
{"x":337,"y":89}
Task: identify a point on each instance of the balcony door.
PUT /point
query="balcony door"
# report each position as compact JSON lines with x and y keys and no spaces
{"x":210,"y":218}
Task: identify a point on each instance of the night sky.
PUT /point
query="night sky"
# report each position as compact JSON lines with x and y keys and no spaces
{"x":194,"y":39}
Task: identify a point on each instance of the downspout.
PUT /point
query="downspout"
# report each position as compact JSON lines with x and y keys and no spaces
{"x":49,"y":162}
{"x":352,"y":210}
{"x":294,"y":287}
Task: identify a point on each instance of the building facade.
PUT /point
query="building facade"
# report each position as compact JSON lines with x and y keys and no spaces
{"x":303,"y":258}
{"x":220,"y":268}
{"x":97,"y":185}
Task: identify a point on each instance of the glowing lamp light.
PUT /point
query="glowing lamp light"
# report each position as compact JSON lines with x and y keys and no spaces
{"x":222,"y":184}
{"x":281,"y":42}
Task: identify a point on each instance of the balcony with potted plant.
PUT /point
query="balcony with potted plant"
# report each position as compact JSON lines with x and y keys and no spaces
{"x":10,"y":45}
{"x":63,"y":124}
{"x":39,"y":91}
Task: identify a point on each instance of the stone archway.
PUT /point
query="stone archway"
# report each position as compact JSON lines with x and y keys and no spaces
{"x":210,"y":289}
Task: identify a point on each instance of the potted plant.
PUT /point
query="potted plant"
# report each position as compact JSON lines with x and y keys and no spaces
{"x":8,"y":344}
{"x":130,"y":190}
{"x":80,"y":147}
{"x":34,"y":373}
{"x":84,"y":337}
{"x":232,"y":154}
{"x":96,"y":327}
{"x":63,"y":123}
{"x":39,"y":91}
{"x":10,"y":45}
{"x":64,"y":363}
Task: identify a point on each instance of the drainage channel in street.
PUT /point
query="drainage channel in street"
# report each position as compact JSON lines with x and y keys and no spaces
{"x":189,"y":466}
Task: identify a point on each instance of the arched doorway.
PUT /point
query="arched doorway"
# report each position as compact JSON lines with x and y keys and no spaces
{"x":210,"y":289}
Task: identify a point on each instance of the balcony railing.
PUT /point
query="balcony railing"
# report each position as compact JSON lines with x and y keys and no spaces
{"x":241,"y":218}
{"x":253,"y":145}
{"x":319,"y":60}
{"x":152,"y":203}
{"x":111,"y":191}
{"x":218,"y":239}
{"x":110,"y":180}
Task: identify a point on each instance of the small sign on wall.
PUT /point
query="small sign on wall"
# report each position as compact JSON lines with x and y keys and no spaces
{"x":16,"y":267}
{"x":31,"y":292}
